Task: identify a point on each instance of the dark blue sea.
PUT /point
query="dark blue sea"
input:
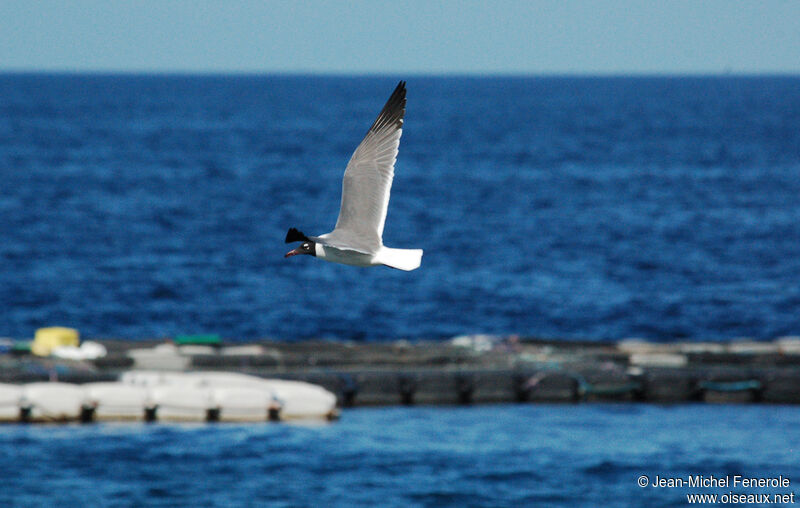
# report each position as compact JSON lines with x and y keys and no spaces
{"x":491,"y":456}
{"x":593,"y":208}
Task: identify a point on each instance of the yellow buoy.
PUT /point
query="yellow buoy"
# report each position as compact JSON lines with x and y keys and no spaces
{"x":47,"y":339}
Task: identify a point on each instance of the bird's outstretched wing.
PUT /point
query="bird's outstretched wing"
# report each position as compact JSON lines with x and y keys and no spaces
{"x":368,"y":181}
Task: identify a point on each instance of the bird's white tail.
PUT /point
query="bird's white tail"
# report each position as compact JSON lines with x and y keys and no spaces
{"x":402,"y":259}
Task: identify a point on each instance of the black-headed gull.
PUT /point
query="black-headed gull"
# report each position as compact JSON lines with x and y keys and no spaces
{"x":357,"y":237}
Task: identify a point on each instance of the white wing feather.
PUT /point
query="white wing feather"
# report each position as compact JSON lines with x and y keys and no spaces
{"x":367,"y":182}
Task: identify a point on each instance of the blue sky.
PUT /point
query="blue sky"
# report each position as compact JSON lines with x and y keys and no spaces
{"x":402,"y":36}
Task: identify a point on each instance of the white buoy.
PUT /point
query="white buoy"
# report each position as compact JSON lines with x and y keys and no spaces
{"x":52,"y":401}
{"x":117,"y":401}
{"x":10,"y":396}
{"x":300,"y":400}
{"x":242,"y":404}
{"x":181,"y":403}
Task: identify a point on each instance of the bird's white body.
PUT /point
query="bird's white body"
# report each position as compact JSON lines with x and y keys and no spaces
{"x":402,"y":259}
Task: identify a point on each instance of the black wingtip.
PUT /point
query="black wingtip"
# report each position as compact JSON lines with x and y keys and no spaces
{"x":393,"y":111}
{"x":293,"y":235}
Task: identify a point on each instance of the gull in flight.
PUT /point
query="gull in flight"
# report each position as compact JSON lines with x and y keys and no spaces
{"x":357,"y":237}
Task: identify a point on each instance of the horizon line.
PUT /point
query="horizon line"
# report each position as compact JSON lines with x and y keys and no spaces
{"x":381,"y":74}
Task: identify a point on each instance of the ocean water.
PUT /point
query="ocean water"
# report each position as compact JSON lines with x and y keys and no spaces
{"x":490,"y":456}
{"x":594,"y":208}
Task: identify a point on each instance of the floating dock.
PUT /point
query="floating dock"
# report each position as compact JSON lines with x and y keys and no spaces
{"x":465,"y":370}
{"x":151,"y":396}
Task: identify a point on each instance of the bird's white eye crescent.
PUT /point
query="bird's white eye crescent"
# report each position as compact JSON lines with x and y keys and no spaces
{"x":305,"y":245}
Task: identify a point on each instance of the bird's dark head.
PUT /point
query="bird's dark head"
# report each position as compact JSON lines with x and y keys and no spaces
{"x":305,"y":248}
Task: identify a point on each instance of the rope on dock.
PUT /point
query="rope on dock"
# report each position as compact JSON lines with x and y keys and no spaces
{"x":583,"y":387}
{"x":731,"y":386}
{"x":609,"y":390}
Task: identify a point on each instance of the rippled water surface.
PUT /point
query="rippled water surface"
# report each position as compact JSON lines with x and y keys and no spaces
{"x":562,"y":455}
{"x":599,"y":208}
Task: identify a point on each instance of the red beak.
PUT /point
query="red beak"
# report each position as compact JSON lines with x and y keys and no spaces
{"x":292,"y":253}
